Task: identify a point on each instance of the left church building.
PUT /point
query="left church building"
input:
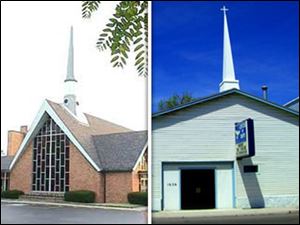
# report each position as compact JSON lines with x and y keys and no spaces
{"x":67,"y":150}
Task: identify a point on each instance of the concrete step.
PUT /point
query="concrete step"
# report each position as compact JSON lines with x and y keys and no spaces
{"x":43,"y":196}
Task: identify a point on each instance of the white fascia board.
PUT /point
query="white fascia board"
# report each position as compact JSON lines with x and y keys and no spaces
{"x":292,"y":101}
{"x":46,"y":108}
{"x":140,"y":157}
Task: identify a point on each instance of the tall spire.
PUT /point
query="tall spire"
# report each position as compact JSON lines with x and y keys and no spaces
{"x":70,"y":81}
{"x":70,"y":69}
{"x":229,"y":80}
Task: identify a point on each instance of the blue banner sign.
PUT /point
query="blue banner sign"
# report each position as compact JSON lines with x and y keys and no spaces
{"x":244,"y":139}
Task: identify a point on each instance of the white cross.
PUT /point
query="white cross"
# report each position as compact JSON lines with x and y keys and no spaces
{"x":224,"y":9}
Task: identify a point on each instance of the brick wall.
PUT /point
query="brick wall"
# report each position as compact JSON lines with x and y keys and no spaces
{"x":118,"y":185}
{"x":14,"y":141}
{"x":21,"y":174}
{"x":135,"y":182}
{"x":83,"y":176}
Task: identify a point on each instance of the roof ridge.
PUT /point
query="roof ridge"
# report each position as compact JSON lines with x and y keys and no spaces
{"x":221,"y":94}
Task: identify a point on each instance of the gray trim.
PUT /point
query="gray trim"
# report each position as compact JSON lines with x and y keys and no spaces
{"x":293,"y":101}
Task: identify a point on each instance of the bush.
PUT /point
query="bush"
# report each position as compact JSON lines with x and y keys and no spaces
{"x":138,"y":198}
{"x":80,"y":196}
{"x":13,"y":194}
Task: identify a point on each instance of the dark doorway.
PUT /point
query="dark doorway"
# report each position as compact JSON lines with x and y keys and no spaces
{"x":197,"y":189}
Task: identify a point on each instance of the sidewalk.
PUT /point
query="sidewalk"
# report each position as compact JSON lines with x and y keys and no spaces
{"x":223,"y":212}
{"x":120,"y":207}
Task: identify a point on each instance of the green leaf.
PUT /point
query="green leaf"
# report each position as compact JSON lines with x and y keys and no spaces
{"x":141,"y":69}
{"x":126,"y":29}
{"x":126,"y":47}
{"x":113,"y":20}
{"x":116,"y":15}
{"x":141,"y":66}
{"x":123,"y":60}
{"x":139,"y":61}
{"x":110,"y":25}
{"x":103,"y":35}
{"x":88,"y":7}
{"x":137,"y":40}
{"x":114,"y":59}
{"x":139,"y":54}
{"x":132,"y":31}
{"x":138,"y":47}
{"x":124,"y":54}
{"x":107,"y":30}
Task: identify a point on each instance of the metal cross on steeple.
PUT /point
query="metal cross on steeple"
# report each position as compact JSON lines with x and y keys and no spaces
{"x":224,"y":9}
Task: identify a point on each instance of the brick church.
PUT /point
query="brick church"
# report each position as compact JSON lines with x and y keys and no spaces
{"x":67,"y":150}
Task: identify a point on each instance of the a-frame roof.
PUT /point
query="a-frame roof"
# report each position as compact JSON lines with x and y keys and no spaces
{"x":80,"y":134}
{"x":222,"y":94}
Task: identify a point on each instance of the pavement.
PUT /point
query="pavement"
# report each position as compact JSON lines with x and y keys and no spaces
{"x":229,"y":216}
{"x":224,"y":212}
{"x":122,"y":207}
{"x":22,"y":213}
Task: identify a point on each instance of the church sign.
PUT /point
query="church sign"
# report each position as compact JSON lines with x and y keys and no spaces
{"x":244,"y":139}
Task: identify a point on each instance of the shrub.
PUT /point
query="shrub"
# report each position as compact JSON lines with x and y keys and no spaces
{"x":138,"y":198}
{"x":80,"y":196}
{"x":13,"y":194}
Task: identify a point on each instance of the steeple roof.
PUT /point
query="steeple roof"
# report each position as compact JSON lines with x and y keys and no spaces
{"x":70,"y":97}
{"x":229,"y":80}
{"x":70,"y":68}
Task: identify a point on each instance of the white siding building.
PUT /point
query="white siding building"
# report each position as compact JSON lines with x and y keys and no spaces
{"x":200,"y":137}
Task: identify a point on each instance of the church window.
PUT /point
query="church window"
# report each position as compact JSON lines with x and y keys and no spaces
{"x":50,"y":147}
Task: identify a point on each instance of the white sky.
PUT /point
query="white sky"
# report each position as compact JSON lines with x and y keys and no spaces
{"x":34,"y":47}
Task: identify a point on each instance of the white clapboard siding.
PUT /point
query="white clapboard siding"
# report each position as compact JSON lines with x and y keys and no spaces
{"x":205,"y":132}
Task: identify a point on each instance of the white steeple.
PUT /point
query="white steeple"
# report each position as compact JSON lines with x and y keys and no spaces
{"x":229,"y":81}
{"x":70,"y":81}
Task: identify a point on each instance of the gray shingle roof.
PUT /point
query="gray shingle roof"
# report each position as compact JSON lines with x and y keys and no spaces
{"x":90,"y":138}
{"x":120,"y":152}
{"x":5,"y":162}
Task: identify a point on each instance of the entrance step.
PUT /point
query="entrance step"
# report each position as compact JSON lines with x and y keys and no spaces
{"x":43,"y":196}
